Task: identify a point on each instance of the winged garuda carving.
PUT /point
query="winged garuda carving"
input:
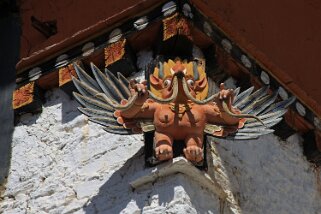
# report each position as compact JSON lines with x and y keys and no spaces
{"x":174,"y":103}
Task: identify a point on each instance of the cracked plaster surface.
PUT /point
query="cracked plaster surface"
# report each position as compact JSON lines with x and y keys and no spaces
{"x":64,"y":164}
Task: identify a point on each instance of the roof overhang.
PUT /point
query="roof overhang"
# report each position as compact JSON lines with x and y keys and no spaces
{"x":235,"y":52}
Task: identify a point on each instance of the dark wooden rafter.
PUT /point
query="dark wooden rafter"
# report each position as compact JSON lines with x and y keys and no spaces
{"x":228,"y":56}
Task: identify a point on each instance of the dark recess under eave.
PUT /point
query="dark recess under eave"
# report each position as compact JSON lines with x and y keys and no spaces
{"x":9,"y":55}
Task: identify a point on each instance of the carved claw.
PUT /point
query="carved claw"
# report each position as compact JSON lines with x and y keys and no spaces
{"x":135,"y":86}
{"x":194,"y":154}
{"x":164,"y":152}
{"x":139,"y":90}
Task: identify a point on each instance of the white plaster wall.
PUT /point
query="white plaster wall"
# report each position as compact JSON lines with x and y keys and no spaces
{"x":61,"y":163}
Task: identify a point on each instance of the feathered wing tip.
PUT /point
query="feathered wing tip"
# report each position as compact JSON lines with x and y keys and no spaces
{"x":99,"y":95}
{"x":261,"y":104}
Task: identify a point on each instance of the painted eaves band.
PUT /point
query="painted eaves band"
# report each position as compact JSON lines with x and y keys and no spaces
{"x":190,"y":9}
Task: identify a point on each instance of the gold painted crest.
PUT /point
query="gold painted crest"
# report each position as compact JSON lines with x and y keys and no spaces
{"x":200,"y":95}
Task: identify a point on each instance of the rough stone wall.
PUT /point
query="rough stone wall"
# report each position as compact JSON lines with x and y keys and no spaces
{"x":64,"y":164}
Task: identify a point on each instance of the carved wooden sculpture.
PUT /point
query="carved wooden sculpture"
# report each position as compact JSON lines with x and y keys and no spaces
{"x":176,"y":106}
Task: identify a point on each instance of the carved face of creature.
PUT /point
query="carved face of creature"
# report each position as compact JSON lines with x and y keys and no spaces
{"x":178,"y":81}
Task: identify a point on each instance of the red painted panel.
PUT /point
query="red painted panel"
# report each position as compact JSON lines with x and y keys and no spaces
{"x":285,"y":33}
{"x":76,"y":21}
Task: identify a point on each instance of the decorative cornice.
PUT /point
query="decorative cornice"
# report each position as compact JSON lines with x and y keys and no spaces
{"x":257,"y":65}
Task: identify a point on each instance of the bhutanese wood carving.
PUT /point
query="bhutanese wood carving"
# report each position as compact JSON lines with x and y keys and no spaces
{"x":175,"y":104}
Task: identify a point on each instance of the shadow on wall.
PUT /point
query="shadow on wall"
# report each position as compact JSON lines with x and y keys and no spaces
{"x":177,"y":192}
{"x":68,"y":108}
{"x":68,"y":104}
{"x":116,"y":193}
{"x":9,"y":53}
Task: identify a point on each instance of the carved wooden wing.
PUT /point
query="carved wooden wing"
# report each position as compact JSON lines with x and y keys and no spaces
{"x":101,"y":96}
{"x":259,"y":103}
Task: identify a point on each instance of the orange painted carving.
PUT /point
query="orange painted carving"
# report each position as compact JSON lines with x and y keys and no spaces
{"x":180,"y":115}
{"x":65,"y":74}
{"x":23,"y":96}
{"x":114,"y":52}
{"x":176,"y":25}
